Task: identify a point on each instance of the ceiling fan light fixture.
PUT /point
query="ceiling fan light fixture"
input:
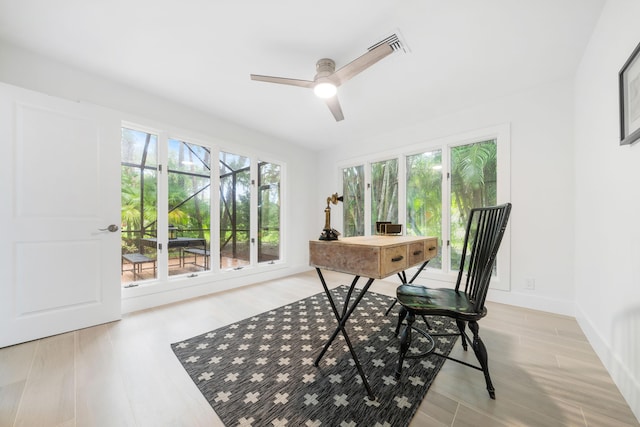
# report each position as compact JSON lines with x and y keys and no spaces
{"x":325,"y":90}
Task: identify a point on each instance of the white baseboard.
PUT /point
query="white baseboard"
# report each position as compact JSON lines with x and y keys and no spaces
{"x":154,"y":295}
{"x":622,"y":376}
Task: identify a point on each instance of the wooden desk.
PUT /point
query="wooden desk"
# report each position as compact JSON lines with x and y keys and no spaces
{"x":374,"y":257}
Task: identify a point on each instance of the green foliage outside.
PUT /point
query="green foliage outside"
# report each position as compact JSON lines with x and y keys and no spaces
{"x":473,"y":184}
{"x":353,"y":203}
{"x":138,"y":187}
{"x":384,"y":192}
{"x":424,"y":197}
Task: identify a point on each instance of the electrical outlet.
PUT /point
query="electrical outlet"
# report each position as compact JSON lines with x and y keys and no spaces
{"x":530,"y":283}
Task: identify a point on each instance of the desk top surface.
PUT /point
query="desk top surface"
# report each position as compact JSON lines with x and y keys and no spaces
{"x":374,"y":241}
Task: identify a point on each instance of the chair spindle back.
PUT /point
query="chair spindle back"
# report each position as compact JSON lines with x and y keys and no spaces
{"x":485,"y":229}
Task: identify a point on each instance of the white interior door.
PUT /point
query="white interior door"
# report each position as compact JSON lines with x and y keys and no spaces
{"x":59,"y":185}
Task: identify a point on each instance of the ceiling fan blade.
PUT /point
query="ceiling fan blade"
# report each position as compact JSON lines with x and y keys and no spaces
{"x":282,"y":81}
{"x":360,"y":64}
{"x":334,"y":106}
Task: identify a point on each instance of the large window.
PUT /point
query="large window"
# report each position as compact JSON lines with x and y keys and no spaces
{"x":235,"y":210}
{"x":189,"y":206}
{"x":353,"y":200}
{"x":431,"y":191}
{"x":139,"y":204}
{"x":268,"y":212}
{"x":424,"y":197}
{"x":473,"y":184}
{"x":384,"y":192}
{"x":168,"y":207}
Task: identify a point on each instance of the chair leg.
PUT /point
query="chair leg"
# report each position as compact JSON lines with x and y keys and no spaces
{"x":461,"y":327}
{"x":481,"y":353}
{"x":405,"y":342}
{"x":402,"y":314}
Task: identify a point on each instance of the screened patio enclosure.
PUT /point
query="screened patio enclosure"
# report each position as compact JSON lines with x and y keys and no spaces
{"x":189,"y":178}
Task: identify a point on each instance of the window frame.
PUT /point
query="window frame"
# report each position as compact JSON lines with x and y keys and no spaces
{"x":163,"y":280}
{"x":502,"y":135}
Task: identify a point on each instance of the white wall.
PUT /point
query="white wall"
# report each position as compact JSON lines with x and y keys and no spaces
{"x":542,"y":185}
{"x":607,"y":227}
{"x":21,"y":68}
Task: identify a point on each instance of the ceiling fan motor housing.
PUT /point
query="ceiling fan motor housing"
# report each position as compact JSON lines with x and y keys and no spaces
{"x":324,"y":68}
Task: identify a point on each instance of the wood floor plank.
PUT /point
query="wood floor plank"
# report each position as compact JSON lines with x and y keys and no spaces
{"x":469,"y":417}
{"x":10,"y":395}
{"x":15,"y":362}
{"x":49,"y":394}
{"x":101,"y":396}
{"x":438,"y":407}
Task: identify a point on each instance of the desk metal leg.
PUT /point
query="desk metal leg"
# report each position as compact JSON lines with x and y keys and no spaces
{"x":342,"y":321}
{"x":335,"y":311}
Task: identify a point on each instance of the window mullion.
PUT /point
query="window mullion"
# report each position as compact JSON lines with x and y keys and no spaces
{"x":402,"y":191}
{"x":214,"y":228}
{"x":446,"y":209}
{"x":367,"y":199}
{"x":253,"y":217}
{"x":162,"y":206}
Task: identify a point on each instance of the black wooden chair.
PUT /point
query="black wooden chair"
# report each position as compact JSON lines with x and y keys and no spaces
{"x":465,"y":303}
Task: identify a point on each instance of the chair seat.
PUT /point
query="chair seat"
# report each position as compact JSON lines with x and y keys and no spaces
{"x":442,"y":302}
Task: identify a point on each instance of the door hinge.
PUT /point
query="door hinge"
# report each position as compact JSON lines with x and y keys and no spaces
{"x":448,"y":243}
{"x":159,"y":246}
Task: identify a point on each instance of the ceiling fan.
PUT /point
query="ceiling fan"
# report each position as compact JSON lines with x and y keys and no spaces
{"x":327,"y":79}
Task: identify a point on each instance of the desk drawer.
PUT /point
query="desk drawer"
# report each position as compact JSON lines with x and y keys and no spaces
{"x":420,"y":252}
{"x":416,"y":253}
{"x":393,"y":260}
{"x":430,"y":249}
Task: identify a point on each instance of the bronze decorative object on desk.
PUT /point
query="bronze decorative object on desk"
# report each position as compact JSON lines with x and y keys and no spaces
{"x":329,"y":233}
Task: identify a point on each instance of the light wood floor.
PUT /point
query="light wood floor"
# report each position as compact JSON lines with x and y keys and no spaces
{"x":125,"y":374}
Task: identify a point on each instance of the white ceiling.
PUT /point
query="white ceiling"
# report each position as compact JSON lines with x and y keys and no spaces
{"x":200,"y":53}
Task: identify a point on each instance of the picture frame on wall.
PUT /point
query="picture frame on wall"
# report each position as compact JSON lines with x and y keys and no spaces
{"x":629,"y":84}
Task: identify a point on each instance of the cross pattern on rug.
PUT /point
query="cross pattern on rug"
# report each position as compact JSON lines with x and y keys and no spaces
{"x":260,"y":372}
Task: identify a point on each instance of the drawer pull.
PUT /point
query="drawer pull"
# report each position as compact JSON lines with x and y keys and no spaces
{"x":396,"y":259}
{"x":432,"y":248}
{"x":416,"y":253}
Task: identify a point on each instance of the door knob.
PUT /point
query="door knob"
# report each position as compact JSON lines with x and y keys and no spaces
{"x":112,"y":228}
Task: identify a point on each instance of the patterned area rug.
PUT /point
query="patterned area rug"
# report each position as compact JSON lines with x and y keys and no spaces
{"x":259,"y":371}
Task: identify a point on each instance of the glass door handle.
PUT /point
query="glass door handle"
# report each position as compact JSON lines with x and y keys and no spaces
{"x":112,"y":228}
